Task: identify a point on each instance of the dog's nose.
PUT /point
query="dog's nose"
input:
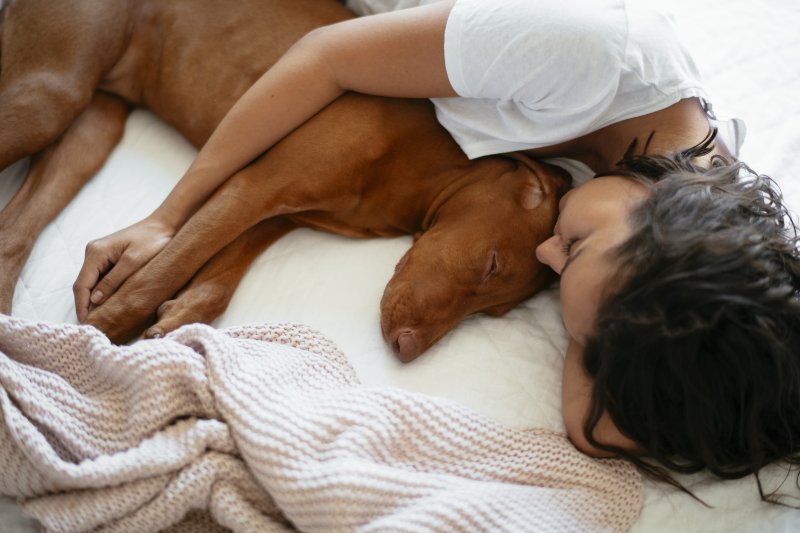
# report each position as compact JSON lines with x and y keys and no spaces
{"x":405,"y":344}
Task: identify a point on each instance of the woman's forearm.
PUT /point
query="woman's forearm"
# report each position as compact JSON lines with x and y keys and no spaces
{"x":394,"y":54}
{"x":293,"y":90}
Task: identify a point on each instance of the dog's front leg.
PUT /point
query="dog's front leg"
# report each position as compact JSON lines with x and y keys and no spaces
{"x":208,"y":293}
{"x":272,"y":186}
{"x":54,"y":178}
{"x":322,"y":167}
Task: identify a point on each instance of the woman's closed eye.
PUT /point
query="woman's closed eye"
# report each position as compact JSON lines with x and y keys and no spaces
{"x":569,"y":253}
{"x":567,"y":246}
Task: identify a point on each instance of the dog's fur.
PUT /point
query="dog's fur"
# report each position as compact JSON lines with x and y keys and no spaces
{"x":364,"y":166}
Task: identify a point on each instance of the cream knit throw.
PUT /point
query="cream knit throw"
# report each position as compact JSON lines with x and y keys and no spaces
{"x":267,"y":429}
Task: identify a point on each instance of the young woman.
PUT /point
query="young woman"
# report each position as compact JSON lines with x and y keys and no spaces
{"x":679,"y":277}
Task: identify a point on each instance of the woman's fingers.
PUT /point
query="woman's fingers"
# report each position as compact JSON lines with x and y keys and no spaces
{"x":98,"y":259}
{"x":111,"y":260}
{"x":106,"y":267}
{"x":110,"y":282}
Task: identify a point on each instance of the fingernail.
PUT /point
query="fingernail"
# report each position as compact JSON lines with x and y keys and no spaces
{"x":96,"y":297}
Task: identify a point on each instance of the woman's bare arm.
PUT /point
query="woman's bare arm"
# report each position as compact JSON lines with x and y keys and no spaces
{"x":399,"y":53}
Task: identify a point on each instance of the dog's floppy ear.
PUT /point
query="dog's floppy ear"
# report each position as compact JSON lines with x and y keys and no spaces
{"x":531,"y":193}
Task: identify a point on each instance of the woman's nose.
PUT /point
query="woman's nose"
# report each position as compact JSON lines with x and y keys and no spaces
{"x":550,"y":253}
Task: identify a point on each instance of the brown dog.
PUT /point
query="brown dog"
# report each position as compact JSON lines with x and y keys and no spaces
{"x":364,"y":166}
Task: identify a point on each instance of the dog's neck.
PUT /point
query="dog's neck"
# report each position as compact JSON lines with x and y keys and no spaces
{"x":479,"y":170}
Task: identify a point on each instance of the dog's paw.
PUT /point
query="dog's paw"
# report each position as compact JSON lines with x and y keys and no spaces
{"x":121,"y":323}
{"x":202,"y":302}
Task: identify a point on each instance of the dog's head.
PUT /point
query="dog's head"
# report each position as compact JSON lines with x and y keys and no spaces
{"x":476,"y":255}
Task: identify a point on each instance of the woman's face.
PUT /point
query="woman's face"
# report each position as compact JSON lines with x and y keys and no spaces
{"x":592,"y":221}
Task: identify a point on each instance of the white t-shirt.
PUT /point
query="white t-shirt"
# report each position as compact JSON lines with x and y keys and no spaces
{"x":534,"y":73}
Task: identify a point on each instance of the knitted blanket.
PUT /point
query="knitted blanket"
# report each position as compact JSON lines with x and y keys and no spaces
{"x":267,"y":429}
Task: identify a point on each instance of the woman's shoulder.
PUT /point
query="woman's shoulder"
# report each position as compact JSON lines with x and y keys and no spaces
{"x":655,"y":48}
{"x":534,"y":51}
{"x":553,"y":18}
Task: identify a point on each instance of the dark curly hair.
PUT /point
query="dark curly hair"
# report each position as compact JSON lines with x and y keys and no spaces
{"x":696,"y":355}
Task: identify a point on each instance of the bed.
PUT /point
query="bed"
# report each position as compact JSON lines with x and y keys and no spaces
{"x":507,"y":368}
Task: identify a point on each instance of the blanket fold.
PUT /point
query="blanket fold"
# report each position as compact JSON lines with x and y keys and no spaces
{"x":266,"y":428}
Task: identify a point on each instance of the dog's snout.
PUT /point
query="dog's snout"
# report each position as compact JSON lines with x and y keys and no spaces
{"x":405,"y":344}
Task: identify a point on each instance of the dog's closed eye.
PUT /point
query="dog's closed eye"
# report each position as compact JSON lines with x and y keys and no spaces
{"x":492,"y":267}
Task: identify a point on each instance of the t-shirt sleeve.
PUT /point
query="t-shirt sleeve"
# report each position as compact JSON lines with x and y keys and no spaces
{"x":557,"y":55}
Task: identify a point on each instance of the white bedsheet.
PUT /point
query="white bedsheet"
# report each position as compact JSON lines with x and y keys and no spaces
{"x":508,"y":368}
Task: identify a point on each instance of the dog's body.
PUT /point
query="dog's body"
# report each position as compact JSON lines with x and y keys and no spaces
{"x":364,"y":166}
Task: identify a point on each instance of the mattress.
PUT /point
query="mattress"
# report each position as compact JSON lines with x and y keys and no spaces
{"x":508,"y":368}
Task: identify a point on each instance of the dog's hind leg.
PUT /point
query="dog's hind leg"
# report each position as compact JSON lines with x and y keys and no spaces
{"x":54,"y":178}
{"x":207,"y":295}
{"x":54,"y":55}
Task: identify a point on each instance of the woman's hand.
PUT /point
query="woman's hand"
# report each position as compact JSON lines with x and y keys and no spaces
{"x":111,"y":260}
